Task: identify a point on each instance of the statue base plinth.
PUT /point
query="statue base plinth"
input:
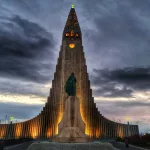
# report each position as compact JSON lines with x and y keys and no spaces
{"x":71,"y":129}
{"x":72,"y":140}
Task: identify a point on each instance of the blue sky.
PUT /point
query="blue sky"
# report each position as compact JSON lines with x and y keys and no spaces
{"x":116,"y":37}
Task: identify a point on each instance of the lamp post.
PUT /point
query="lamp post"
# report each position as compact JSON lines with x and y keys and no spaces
{"x":5,"y":119}
{"x":129,"y":133}
{"x":127,"y":119}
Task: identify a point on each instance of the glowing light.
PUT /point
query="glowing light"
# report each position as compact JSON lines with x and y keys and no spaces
{"x":67,"y":34}
{"x":12,"y":118}
{"x":60,"y":116}
{"x":127,"y":118}
{"x":49,"y":132}
{"x":72,"y":6}
{"x":18,"y":130}
{"x":72,"y":33}
{"x":97,"y":133}
{"x":71,"y":45}
{"x":120,"y":131}
{"x":34,"y":132}
{"x":2,"y":131}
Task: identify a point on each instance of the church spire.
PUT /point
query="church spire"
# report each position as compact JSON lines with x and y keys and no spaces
{"x":72,"y":29}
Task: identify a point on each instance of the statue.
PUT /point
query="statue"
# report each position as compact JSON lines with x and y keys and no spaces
{"x":71,"y":128}
{"x":70,"y":86}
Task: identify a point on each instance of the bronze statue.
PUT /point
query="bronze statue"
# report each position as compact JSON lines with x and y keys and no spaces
{"x":70,"y":86}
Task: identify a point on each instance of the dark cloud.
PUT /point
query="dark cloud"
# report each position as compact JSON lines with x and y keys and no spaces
{"x":125,"y":75}
{"x":109,"y":90}
{"x":120,"y":34}
{"x":25,"y":50}
{"x":132,"y":104}
{"x":121,"y":82}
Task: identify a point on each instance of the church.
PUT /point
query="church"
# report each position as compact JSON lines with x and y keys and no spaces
{"x":45,"y":124}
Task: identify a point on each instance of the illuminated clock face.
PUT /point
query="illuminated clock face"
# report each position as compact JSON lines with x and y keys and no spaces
{"x":71,"y":45}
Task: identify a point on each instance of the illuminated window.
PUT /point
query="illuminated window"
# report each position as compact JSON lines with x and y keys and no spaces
{"x":71,"y":45}
{"x":77,"y":34}
{"x":72,"y":33}
{"x":67,"y":34}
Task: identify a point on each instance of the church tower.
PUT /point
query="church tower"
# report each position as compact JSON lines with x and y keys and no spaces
{"x":71,"y":59}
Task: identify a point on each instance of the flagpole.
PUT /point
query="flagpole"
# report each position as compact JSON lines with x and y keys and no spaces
{"x":5,"y":118}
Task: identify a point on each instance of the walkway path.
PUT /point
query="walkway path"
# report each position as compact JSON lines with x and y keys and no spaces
{"x":22,"y":146}
{"x":118,"y":145}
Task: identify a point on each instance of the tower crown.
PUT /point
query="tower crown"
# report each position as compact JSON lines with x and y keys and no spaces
{"x":72,"y":29}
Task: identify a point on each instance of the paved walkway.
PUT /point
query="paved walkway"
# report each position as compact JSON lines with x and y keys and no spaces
{"x":121,"y":146}
{"x":66,"y":146}
{"x":22,"y":146}
{"x":118,"y":145}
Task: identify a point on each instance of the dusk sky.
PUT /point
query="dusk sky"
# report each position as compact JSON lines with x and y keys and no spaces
{"x":116,"y":41}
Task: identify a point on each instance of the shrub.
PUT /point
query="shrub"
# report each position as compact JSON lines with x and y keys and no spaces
{"x":119,"y":139}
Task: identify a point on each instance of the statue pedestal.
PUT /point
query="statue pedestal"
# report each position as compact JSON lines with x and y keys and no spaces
{"x":71,"y":128}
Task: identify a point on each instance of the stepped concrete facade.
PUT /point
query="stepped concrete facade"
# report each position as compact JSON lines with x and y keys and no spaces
{"x":45,"y":125}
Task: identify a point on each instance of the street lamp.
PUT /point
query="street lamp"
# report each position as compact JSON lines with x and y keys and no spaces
{"x":127,"y":119}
